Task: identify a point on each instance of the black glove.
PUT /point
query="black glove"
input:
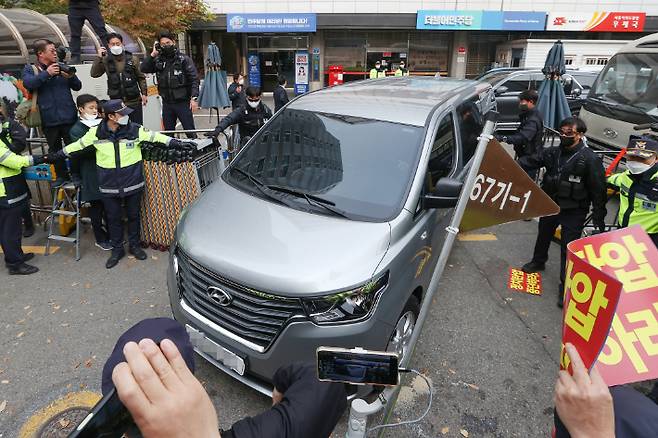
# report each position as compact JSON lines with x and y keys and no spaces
{"x":40,"y":159}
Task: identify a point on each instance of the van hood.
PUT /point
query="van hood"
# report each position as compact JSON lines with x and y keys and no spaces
{"x":277,"y":249}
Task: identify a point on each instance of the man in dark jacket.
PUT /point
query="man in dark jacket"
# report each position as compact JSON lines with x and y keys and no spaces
{"x":280,"y":94}
{"x":575,"y":180}
{"x":79,"y":11}
{"x":58,"y":111}
{"x":249,"y":117}
{"x":125,"y":80}
{"x":236,"y":91}
{"x":528,"y":138}
{"x":178,"y":82}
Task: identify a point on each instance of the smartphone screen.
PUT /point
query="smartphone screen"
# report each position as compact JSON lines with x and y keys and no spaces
{"x":357,"y":367}
{"x":108,"y":419}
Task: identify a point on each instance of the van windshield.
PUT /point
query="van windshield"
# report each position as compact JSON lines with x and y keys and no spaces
{"x":359,"y":167}
{"x":630,"y":83}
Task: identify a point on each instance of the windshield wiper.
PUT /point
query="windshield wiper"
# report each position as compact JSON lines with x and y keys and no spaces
{"x":312,"y":200}
{"x":264,"y":189}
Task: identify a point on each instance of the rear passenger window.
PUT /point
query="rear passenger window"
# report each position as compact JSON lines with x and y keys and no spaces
{"x":443,"y":151}
{"x":519,"y":83}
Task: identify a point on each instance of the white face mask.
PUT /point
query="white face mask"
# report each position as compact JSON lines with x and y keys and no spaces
{"x":635,"y":167}
{"x":116,"y":50}
{"x":253,"y":104}
{"x":241,"y":82}
{"x":86,"y":116}
{"x":123,"y":120}
{"x":91,"y":122}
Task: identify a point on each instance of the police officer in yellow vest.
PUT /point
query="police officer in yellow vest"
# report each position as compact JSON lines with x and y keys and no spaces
{"x":379,"y":71}
{"x":120,"y":172}
{"x":13,"y":198}
{"x":638,"y":187}
{"x":402,"y":70}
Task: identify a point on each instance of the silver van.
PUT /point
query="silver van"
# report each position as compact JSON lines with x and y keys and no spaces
{"x":325,"y":228}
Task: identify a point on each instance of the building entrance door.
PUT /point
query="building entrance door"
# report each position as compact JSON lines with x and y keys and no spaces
{"x":275,"y":64}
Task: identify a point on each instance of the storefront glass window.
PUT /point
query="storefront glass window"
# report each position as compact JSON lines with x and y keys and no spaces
{"x":347,"y":49}
{"x":428,"y":51}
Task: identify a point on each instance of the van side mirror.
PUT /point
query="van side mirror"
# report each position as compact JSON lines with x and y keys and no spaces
{"x":501,"y":90}
{"x":576,"y":92}
{"x":445,"y":194}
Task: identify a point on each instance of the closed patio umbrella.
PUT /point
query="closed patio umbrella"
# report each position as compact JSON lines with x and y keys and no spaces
{"x":552,"y":102}
{"x":214,"y":92}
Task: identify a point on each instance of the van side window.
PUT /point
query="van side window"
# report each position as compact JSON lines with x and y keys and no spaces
{"x":443,"y":151}
{"x":470,"y":123}
{"x":519,"y":83}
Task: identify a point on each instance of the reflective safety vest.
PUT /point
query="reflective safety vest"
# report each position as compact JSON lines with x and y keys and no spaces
{"x":118,"y":159}
{"x":374,"y":73}
{"x":13,"y":187}
{"x":638,"y":201}
{"x":400,"y":72}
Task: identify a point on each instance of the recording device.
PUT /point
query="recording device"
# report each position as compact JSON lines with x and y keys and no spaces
{"x":158,"y":47}
{"x":63,"y":66}
{"x":108,"y":419}
{"x":357,"y":366}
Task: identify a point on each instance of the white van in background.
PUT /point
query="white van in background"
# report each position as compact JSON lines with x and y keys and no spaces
{"x":624,"y":95}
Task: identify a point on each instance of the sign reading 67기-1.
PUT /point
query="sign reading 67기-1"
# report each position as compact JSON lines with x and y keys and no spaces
{"x":503,"y":192}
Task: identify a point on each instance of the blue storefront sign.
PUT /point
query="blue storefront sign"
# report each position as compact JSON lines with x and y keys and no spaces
{"x":256,"y":23}
{"x":480,"y":20}
{"x":254,"y":69}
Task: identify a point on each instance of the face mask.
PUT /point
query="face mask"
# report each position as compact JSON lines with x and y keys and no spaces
{"x":377,"y":66}
{"x":523,"y":107}
{"x":567,"y":142}
{"x":253,"y":104}
{"x":123,"y":120}
{"x":116,"y":50}
{"x":91,"y":122}
{"x":168,"y":50}
{"x":241,"y":82}
{"x":635,"y":167}
{"x":86,"y":116}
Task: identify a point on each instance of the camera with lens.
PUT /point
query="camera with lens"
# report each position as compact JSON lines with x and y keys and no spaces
{"x":63,"y":66}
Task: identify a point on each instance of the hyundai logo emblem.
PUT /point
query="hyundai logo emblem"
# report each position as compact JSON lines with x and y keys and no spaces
{"x":610,"y":133}
{"x":219,"y":296}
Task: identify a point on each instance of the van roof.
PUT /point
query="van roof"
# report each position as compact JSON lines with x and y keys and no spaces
{"x":647,"y":44}
{"x":408,"y":100}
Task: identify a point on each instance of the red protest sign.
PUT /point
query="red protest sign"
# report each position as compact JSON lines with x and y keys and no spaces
{"x":630,"y":353}
{"x":591,"y":297}
{"x":524,"y":282}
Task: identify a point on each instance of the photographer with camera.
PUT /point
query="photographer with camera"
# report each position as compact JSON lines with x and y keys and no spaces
{"x":178,"y":82}
{"x":53,"y":81}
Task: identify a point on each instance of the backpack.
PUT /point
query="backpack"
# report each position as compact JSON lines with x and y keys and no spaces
{"x":27,"y":111}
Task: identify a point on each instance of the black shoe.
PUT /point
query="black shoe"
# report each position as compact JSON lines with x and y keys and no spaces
{"x":23,"y":269}
{"x":137,"y":252}
{"x":105,"y":246}
{"x":532,"y":267}
{"x":117,"y":254}
{"x":28,"y":256}
{"x":28,"y":232}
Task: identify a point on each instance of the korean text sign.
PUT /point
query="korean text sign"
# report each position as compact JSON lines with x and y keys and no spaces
{"x":630,"y":353}
{"x":591,"y":297}
{"x":257,"y":23}
{"x":480,"y":20}
{"x":597,"y":21}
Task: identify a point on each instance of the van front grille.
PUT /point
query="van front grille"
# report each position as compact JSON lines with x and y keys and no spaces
{"x":254,"y":316}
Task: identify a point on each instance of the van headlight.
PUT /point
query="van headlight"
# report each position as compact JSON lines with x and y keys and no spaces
{"x":346,"y":306}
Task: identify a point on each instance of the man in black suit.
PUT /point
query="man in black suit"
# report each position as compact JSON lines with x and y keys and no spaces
{"x":280,"y":94}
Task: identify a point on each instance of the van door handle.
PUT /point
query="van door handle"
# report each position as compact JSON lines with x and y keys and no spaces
{"x":423,"y":236}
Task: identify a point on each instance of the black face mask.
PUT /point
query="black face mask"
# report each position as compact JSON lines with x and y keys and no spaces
{"x":523,"y":107}
{"x":168,"y":50}
{"x":567,"y":142}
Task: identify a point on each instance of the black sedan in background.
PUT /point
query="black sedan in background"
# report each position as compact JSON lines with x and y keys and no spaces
{"x":507,"y":83}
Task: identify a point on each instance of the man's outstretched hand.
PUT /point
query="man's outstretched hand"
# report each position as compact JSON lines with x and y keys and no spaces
{"x":161,"y":393}
{"x":583,"y":401}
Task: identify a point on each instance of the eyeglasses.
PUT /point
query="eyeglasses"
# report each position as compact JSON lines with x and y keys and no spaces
{"x":569,"y":133}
